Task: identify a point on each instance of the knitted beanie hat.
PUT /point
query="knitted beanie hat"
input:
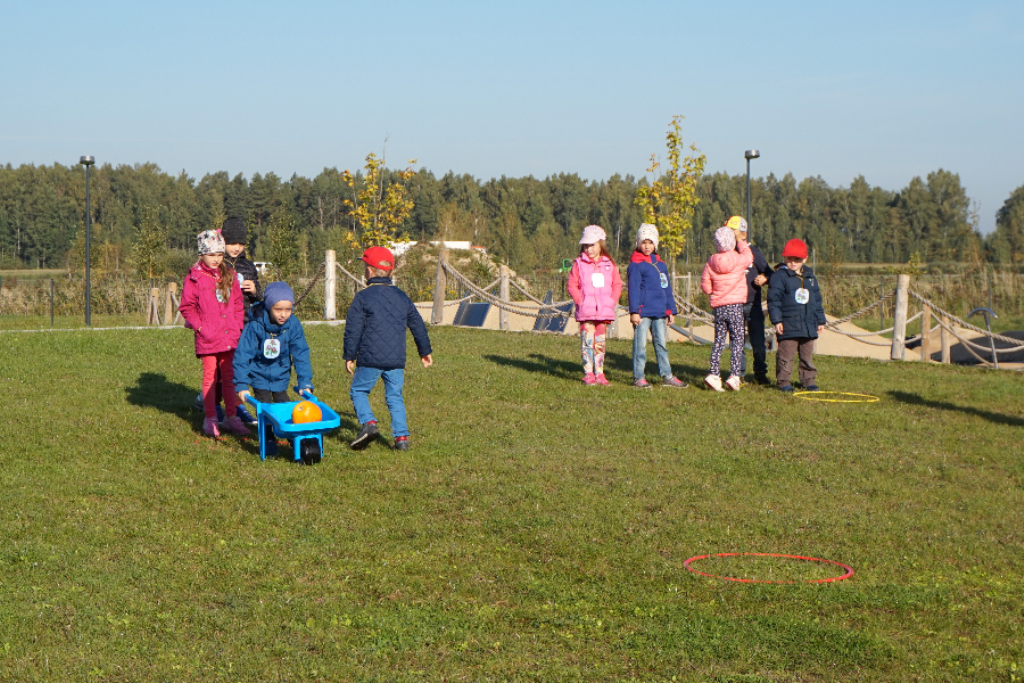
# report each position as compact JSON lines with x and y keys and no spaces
{"x":234,"y":231}
{"x":277,"y":292}
{"x":592,"y":234}
{"x":725,"y":240}
{"x":647,"y":231}
{"x":210,"y":242}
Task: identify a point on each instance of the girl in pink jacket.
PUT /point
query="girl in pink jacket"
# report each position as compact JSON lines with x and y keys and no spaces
{"x":595,"y":286}
{"x":725,"y":279}
{"x":211,"y":304}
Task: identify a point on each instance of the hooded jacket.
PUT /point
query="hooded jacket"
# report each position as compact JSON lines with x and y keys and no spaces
{"x":595,"y":286}
{"x":725,"y":276}
{"x":218,"y":324}
{"x":798,"y":320}
{"x":253,"y":367}
{"x":650,"y":286}
{"x":375,"y":326}
{"x":246,"y":270}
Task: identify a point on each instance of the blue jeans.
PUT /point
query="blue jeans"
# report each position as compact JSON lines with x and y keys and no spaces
{"x":363,"y":381}
{"x":659,"y":331}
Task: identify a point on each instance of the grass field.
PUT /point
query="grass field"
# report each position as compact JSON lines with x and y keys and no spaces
{"x":536,"y":532}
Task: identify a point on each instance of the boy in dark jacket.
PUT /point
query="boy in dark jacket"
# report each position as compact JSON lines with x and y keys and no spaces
{"x":375,"y":347}
{"x":651,"y":307}
{"x":795,"y":308}
{"x":271,"y":344}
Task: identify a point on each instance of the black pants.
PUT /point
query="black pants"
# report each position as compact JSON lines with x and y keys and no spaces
{"x":754,"y":317}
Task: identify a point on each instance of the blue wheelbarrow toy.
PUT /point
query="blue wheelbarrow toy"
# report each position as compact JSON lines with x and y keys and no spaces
{"x":307,"y":437}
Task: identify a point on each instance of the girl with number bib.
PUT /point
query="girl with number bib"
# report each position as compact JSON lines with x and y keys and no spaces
{"x":725,"y":279}
{"x":796,"y":311}
{"x":211,"y":304}
{"x":595,"y":286}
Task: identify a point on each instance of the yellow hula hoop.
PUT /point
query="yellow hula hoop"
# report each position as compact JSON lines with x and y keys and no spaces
{"x":823,"y":397}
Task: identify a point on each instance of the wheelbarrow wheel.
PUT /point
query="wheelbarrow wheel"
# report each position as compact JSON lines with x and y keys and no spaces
{"x":310,"y":451}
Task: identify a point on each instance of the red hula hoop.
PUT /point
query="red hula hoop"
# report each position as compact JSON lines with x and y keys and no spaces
{"x":848,"y":574}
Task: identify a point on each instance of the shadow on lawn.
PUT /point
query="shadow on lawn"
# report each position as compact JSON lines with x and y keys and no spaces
{"x":917,"y":400}
{"x":156,"y":391}
{"x":572,"y":369}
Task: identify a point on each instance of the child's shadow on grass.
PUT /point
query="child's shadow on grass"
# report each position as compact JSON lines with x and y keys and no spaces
{"x":156,"y":391}
{"x":567,"y":369}
{"x":917,"y":400}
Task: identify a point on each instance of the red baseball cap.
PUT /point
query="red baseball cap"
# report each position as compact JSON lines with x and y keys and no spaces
{"x":795,"y":248}
{"x":378,"y":257}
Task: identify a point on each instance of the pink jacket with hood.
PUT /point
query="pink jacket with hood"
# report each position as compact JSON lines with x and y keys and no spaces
{"x":595,"y":286}
{"x":218,"y":325}
{"x":725,"y":276}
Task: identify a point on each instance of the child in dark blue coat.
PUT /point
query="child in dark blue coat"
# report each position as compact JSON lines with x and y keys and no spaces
{"x":651,"y":307}
{"x":375,"y":347}
{"x":272,"y":343}
{"x":796,"y":311}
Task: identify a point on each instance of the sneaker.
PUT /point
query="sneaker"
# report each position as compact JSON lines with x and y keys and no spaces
{"x":602,"y":380}
{"x":234,"y":424}
{"x":714,"y":382}
{"x":813,"y":387}
{"x":671,"y":381}
{"x":367,"y":434}
{"x":590,"y":379}
{"x":245,"y":416}
{"x":401,"y":443}
{"x":788,"y":389}
{"x":733,"y":383}
{"x":642,"y":383}
{"x":210,"y":427}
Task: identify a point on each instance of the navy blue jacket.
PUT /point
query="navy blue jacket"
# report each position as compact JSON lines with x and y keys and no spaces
{"x":798,"y":320}
{"x":758,"y":267}
{"x":254,"y":369}
{"x":375,"y":326}
{"x":644,"y":282}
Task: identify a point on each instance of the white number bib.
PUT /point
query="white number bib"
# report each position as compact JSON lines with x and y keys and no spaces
{"x":802,"y":296}
{"x":597,"y":279}
{"x":664,"y":280}
{"x":271,"y":348}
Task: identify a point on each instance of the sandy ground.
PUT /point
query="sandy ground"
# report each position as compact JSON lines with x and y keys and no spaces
{"x":865,"y":345}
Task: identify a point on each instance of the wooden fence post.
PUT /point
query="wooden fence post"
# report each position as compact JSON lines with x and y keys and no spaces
{"x":944,"y":337}
{"x":899,"y":328}
{"x":926,"y":326}
{"x":330,"y":285}
{"x":153,"y":314}
{"x":503,"y":273}
{"x":689,"y":302}
{"x":169,"y":303}
{"x":440,"y":283}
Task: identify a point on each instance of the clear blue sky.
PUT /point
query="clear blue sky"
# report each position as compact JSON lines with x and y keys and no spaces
{"x":889,"y":90}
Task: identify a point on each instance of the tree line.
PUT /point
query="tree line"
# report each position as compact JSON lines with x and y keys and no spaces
{"x":145,"y":220}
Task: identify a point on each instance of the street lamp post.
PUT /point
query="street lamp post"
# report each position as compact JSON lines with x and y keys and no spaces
{"x":749,"y":154}
{"x":88,"y":161}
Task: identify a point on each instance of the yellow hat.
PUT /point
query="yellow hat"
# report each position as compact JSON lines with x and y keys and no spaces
{"x":737,"y":223}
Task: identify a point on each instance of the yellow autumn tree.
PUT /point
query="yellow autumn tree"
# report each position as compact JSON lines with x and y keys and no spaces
{"x":380,"y":208}
{"x":669,"y":201}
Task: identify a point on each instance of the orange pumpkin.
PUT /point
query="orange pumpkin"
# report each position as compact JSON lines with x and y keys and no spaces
{"x":306,"y":411}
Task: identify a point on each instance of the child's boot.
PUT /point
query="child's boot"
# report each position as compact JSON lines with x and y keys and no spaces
{"x":590,"y":379}
{"x":210,"y":427}
{"x":367,"y":433}
{"x":234,"y":424}
{"x":602,"y":380}
{"x":401,"y":443}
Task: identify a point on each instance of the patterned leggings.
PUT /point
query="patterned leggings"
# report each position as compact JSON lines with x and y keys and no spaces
{"x":728,"y":318}
{"x":592,"y":336}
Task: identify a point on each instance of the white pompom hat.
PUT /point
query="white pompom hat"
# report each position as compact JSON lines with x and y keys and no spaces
{"x":647,"y":231}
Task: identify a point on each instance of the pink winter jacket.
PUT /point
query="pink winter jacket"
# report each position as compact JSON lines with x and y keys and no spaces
{"x":725,"y":276}
{"x":218,"y":325}
{"x":594,"y":302}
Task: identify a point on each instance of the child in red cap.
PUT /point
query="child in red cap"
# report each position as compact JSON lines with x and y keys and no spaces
{"x":375,"y":347}
{"x":796,"y":311}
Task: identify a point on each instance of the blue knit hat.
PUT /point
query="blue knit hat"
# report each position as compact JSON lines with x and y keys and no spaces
{"x":276,"y":292}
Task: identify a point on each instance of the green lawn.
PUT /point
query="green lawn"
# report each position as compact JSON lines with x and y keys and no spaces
{"x":536,"y":531}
